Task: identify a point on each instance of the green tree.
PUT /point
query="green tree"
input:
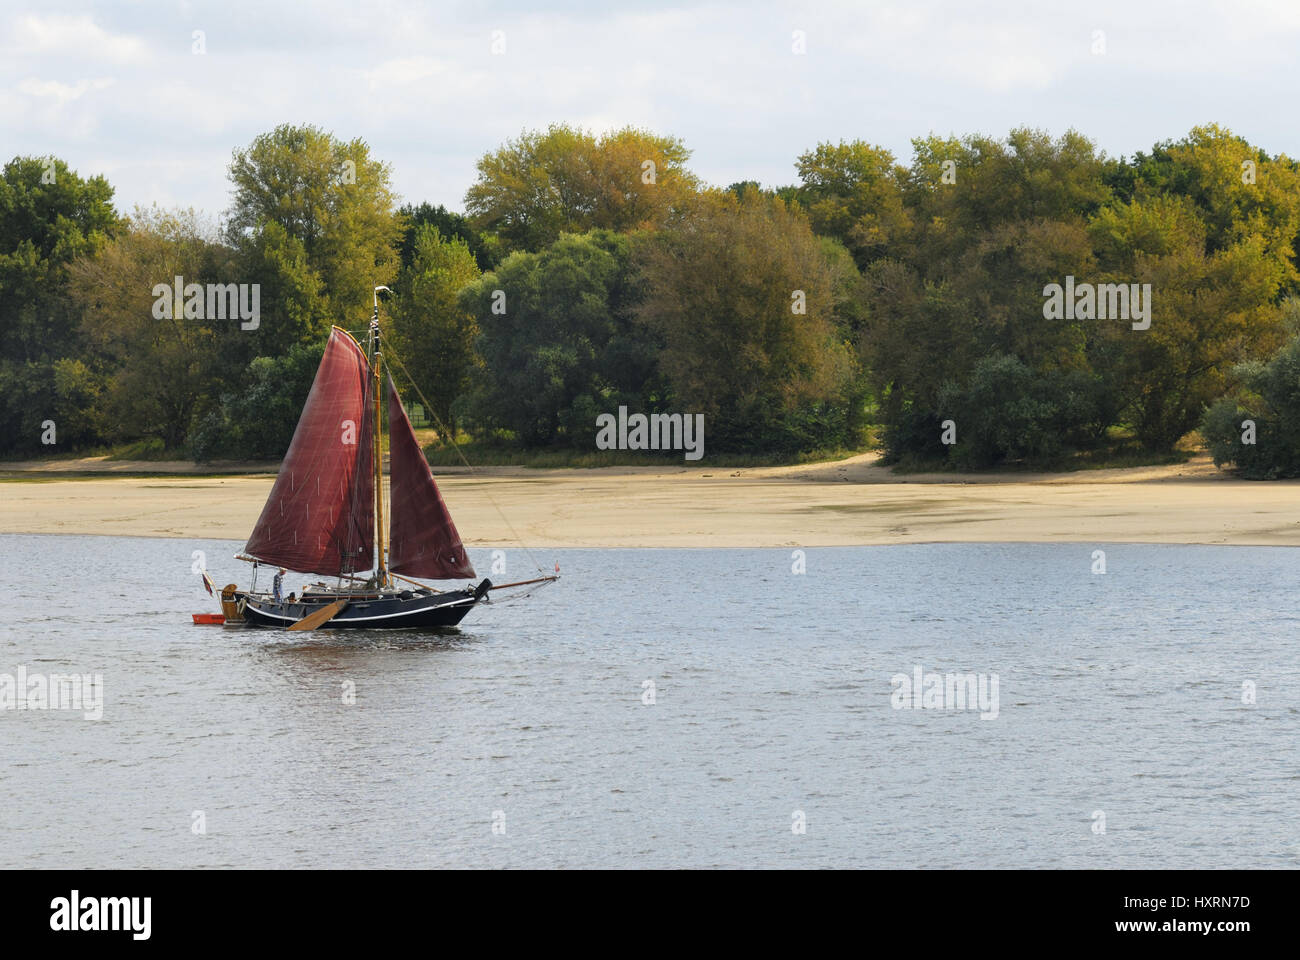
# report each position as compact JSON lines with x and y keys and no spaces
{"x":293,"y":302}
{"x":159,"y":362}
{"x":432,"y":331}
{"x":1257,"y":427}
{"x":330,"y":196}
{"x":753,"y":341}
{"x":1210,"y":309}
{"x":259,"y":379}
{"x":994,"y":222}
{"x":1007,"y":411}
{"x":918,"y":338}
{"x":257,"y":420}
{"x":558,"y":342}
{"x":1029,"y":176}
{"x":451,"y":226}
{"x":932,"y":324}
{"x":49,"y":217}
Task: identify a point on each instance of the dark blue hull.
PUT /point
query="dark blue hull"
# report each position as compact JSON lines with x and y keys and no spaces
{"x":386,"y":612}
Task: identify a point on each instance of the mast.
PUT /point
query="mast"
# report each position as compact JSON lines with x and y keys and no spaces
{"x":381,"y":564}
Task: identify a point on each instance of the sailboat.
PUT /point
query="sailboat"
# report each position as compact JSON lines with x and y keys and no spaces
{"x":326,"y":514}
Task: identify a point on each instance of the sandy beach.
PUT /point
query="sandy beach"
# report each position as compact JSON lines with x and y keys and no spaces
{"x":848,"y":502}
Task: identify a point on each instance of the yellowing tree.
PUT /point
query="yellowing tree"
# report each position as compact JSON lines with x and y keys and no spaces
{"x":568,"y":180}
{"x":161,"y":366}
{"x":744,"y":296}
{"x":852,"y":192}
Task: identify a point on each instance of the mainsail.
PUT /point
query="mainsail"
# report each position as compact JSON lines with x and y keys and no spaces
{"x":319,"y":517}
{"x":423,"y":539}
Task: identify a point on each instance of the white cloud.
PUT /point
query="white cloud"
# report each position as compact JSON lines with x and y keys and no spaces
{"x":63,"y":92}
{"x":400,"y":73}
{"x":75,"y":36}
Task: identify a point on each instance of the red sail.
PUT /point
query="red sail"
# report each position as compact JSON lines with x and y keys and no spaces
{"x":319,"y":517}
{"x":424,"y":541}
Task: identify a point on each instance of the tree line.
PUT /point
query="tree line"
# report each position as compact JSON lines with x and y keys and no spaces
{"x":872,"y":298}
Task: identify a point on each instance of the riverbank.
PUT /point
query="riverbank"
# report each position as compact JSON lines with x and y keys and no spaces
{"x":838,"y":503}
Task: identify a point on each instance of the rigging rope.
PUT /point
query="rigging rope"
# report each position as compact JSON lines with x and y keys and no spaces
{"x":452,"y":440}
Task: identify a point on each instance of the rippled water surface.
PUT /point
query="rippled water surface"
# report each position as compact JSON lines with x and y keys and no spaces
{"x":1120,"y":696}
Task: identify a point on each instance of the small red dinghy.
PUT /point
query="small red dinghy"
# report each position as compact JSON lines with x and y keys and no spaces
{"x":216,"y":618}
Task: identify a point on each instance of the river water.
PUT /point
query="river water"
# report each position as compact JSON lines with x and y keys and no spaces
{"x":668,"y":708}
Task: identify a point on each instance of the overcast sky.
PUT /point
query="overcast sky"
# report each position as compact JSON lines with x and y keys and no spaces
{"x":115,"y":88}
